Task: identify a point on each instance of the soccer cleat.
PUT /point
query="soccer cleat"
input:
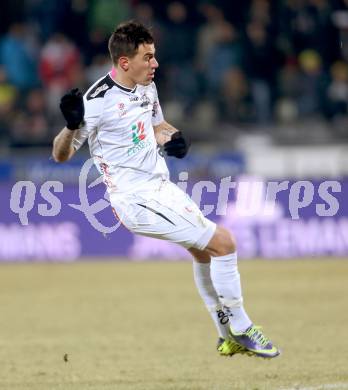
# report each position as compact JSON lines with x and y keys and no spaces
{"x":230,"y":347}
{"x":256,"y":342}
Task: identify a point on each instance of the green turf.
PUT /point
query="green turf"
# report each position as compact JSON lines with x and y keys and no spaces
{"x":142,"y":326}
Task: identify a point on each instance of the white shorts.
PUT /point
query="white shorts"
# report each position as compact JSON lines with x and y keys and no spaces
{"x":164,"y":212}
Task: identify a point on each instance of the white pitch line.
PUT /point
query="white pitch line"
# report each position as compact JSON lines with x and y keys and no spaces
{"x":328,"y":386}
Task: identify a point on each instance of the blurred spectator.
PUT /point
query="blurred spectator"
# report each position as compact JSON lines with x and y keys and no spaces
{"x":312,"y":92}
{"x":226,"y":53}
{"x":106,"y":14}
{"x":145,"y":13}
{"x":260,"y":12}
{"x":289,"y":80}
{"x":261,"y":68}
{"x":208,"y":32}
{"x":59,"y":62}
{"x":8,"y":94}
{"x":308,"y":25}
{"x":19,"y":58}
{"x":60,"y":68}
{"x":76,"y":23}
{"x":234,"y":101}
{"x":97,"y":45}
{"x":177,"y":55}
{"x":340,"y":21}
{"x":325,"y":37}
{"x":180,"y":35}
{"x":47,"y":16}
{"x":31,"y":124}
{"x":100,"y":65}
{"x":337,"y":92}
{"x":289,"y":88}
{"x":11,"y":11}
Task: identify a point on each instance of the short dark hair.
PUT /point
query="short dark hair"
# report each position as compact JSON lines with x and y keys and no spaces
{"x":127,"y":37}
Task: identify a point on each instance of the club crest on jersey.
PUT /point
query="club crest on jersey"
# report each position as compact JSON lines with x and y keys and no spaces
{"x":145,"y":101}
{"x":138,"y":138}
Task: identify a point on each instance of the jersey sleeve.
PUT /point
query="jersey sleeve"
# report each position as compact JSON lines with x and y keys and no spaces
{"x":157,"y":115}
{"x":93,"y":111}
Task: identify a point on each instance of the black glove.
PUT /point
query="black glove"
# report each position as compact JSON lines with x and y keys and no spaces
{"x":73,"y":109}
{"x":177,"y":146}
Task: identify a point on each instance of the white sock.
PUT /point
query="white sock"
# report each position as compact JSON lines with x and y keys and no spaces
{"x":226,"y":280}
{"x":201,"y":274}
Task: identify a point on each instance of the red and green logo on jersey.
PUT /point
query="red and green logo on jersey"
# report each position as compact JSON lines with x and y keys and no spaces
{"x":138,"y":138}
{"x":138,"y":133}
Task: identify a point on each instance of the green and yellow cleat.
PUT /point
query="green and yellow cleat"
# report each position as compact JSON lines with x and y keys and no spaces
{"x":228,"y":347}
{"x":255,"y":342}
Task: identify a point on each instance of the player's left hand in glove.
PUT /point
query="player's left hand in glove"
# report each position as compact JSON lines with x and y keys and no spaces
{"x":73,"y":109}
{"x":178,"y":146}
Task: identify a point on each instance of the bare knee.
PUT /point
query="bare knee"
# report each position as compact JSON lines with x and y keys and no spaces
{"x":201,"y":256}
{"x":222,"y":243}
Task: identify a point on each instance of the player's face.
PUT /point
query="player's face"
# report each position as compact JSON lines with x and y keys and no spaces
{"x":143,"y":65}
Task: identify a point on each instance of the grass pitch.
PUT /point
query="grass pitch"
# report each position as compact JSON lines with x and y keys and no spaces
{"x":142,"y":326}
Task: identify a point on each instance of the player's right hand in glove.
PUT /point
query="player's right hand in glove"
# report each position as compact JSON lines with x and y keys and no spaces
{"x":177,"y":146}
{"x":73,"y":109}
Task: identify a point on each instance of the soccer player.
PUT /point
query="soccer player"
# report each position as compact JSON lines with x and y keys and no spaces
{"x":121,"y":117}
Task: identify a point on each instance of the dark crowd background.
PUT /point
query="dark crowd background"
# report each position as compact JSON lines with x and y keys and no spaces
{"x":225,"y":67}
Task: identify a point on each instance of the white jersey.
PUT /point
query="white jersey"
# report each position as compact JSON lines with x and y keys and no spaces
{"x":119,"y":126}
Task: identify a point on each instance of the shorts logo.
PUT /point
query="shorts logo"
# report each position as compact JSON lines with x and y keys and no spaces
{"x":138,"y":138}
{"x":188,"y":209}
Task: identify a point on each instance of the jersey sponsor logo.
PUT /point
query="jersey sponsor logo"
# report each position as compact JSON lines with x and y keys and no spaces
{"x":134,"y":98}
{"x":98,"y":90}
{"x":121,"y":109}
{"x":138,"y":138}
{"x":138,"y":132}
